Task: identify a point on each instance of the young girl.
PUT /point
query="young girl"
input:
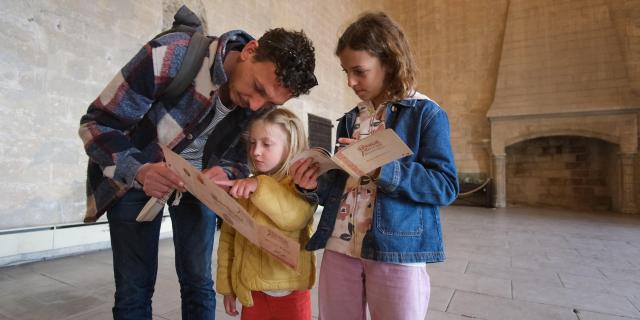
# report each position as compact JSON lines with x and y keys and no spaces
{"x":266,"y":288}
{"x":381,"y":230}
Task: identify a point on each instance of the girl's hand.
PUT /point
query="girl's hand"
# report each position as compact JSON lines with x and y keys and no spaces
{"x":242,"y":188}
{"x":230,"y":305}
{"x":305,"y":173}
{"x":344,"y":142}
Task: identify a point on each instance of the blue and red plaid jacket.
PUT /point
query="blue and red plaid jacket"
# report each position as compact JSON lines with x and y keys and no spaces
{"x":123,"y":126}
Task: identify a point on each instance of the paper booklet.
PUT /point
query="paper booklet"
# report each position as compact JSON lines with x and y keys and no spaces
{"x":215,"y":198}
{"x":152,"y":208}
{"x":361,"y":157}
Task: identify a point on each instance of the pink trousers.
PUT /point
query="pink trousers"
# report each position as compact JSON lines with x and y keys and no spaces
{"x":392,"y":291}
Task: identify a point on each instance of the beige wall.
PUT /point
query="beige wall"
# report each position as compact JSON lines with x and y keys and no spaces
{"x":56,"y":57}
{"x":520,"y":56}
{"x":457,"y":46}
{"x":322,"y":21}
{"x":561,"y":57}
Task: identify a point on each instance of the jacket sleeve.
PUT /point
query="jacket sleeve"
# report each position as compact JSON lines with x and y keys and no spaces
{"x":282,"y":204}
{"x":432,"y":177}
{"x":225,"y":260}
{"x":234,"y":161}
{"x":123,"y":104}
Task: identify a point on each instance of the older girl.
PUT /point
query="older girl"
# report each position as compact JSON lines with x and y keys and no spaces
{"x":380,"y":231}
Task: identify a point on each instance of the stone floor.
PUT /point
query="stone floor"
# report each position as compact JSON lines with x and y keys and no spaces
{"x":516,"y":263}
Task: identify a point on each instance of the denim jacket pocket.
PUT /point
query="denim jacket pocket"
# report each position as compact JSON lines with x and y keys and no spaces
{"x":398,"y":218}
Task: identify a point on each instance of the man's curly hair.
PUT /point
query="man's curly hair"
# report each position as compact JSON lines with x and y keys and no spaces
{"x":293,"y":55}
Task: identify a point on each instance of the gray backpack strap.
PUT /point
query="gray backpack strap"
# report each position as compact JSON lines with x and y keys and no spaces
{"x":196,"y":51}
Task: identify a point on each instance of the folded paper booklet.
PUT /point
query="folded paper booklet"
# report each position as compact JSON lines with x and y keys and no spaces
{"x":152,"y":208}
{"x":215,"y":198}
{"x":361,"y":157}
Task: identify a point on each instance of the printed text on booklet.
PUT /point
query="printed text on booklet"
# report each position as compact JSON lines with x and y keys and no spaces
{"x":361,"y":157}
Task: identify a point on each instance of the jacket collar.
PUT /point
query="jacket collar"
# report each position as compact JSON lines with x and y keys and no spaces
{"x":409,"y":102}
{"x":218,"y":76}
{"x":412,"y":100}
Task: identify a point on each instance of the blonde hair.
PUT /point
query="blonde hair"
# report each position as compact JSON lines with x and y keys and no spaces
{"x":297,"y":141}
{"x":382,"y":37}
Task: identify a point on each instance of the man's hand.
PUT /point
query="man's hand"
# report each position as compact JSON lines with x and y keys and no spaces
{"x":305,"y":173}
{"x":230,"y":305}
{"x":216,"y":174}
{"x":242,"y":188}
{"x":157,"y":180}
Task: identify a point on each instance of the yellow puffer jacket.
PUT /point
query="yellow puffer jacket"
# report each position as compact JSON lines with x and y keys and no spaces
{"x":243,"y":267}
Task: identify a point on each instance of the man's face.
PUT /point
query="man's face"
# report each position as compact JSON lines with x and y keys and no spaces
{"x":253,"y":84}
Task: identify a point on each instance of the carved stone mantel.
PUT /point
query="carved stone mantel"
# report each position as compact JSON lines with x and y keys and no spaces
{"x":619,"y":127}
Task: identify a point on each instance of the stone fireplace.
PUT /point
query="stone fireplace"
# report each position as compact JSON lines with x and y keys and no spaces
{"x":619,"y":128}
{"x":557,"y":82}
{"x":563,"y":171}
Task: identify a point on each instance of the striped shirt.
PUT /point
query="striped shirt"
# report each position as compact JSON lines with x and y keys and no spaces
{"x":193,"y":152}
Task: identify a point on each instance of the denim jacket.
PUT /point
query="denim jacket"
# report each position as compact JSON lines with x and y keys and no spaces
{"x":406,"y":218}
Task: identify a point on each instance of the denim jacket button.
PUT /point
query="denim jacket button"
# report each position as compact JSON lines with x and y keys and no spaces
{"x":189,"y":136}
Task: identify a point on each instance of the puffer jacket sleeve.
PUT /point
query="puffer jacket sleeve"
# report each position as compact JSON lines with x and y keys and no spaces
{"x":225,"y":260}
{"x":282,"y":203}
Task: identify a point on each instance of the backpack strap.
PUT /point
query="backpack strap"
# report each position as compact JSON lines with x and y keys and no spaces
{"x":186,"y":21}
{"x":178,"y":28}
{"x":196,"y":51}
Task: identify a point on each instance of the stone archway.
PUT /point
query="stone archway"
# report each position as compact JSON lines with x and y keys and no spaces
{"x":565,"y":171}
{"x":619,"y":127}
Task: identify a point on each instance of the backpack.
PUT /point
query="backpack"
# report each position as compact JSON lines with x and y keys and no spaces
{"x":186,"y":21}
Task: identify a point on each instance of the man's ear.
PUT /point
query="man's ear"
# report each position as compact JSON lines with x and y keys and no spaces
{"x":249,"y":50}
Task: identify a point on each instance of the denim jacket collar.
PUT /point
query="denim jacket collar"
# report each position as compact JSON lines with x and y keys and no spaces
{"x":409,"y":102}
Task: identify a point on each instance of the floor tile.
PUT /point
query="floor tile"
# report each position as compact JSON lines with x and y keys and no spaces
{"x":475,"y":305}
{"x":513,"y":263}
{"x":474,"y":283}
{"x":575,"y":298}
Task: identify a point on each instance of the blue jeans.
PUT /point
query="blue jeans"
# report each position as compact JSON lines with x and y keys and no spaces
{"x":135,"y":256}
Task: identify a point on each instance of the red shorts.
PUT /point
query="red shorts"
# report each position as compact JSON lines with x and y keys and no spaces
{"x":294,"y":306}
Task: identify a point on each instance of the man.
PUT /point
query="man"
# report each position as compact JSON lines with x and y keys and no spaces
{"x":123,"y":126}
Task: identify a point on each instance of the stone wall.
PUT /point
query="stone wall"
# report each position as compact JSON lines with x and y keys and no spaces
{"x":561,"y":56}
{"x":457,"y":46}
{"x":57,"y":56}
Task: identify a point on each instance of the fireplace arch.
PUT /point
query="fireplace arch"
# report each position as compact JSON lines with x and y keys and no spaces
{"x":566,"y":171}
{"x":618,"y":127}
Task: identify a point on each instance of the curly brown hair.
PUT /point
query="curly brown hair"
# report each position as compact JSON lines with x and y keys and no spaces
{"x":381,"y":36}
{"x":292,"y":52}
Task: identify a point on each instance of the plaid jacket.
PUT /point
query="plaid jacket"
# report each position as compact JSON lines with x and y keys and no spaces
{"x":123,"y":126}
